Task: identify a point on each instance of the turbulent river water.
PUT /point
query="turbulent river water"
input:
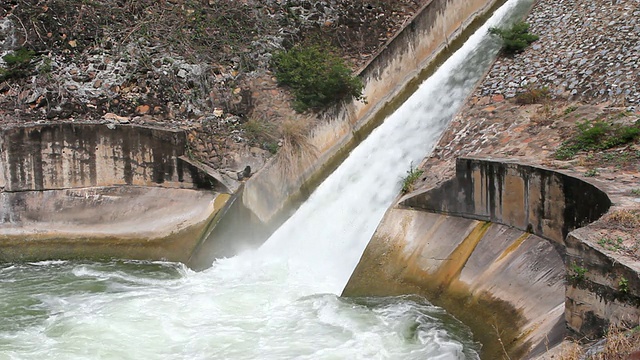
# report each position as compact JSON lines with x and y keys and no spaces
{"x":276,"y":302}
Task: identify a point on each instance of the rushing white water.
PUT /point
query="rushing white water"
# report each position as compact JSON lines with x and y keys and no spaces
{"x":277,"y":302}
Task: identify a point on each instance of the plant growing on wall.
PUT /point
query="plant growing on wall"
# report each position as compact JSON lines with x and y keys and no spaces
{"x":412,"y":175}
{"x":577,"y":272}
{"x":515,"y":38}
{"x":316,"y":76}
{"x":623,"y":285}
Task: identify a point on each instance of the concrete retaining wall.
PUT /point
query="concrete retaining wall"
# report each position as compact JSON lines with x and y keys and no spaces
{"x":62,"y":156}
{"x":98,"y":191}
{"x":603,"y":288}
{"x":544,"y":202}
{"x":275,"y":187}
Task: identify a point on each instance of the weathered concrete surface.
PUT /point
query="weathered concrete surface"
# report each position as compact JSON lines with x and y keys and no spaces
{"x":105,"y":222}
{"x":275,"y":187}
{"x":97,"y":191}
{"x":603,"y":287}
{"x":545,"y":202}
{"x":603,"y":284}
{"x":60,"y":156}
{"x":492,"y":277}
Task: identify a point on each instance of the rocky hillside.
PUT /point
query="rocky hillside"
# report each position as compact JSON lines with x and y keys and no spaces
{"x":200,"y":65}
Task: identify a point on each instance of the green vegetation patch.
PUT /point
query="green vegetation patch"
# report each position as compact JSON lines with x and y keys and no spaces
{"x":17,"y":64}
{"x":515,"y":38}
{"x":611,"y":244}
{"x":317,"y":77}
{"x":597,"y":136}
{"x":413,"y":174}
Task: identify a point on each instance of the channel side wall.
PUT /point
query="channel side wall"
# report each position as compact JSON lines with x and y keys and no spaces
{"x":277,"y":186}
{"x":64,"y":156}
{"x":544,"y":202}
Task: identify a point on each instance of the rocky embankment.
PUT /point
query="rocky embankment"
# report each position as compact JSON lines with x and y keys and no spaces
{"x":200,"y":66}
{"x":588,"y":51}
{"x":494,"y":123}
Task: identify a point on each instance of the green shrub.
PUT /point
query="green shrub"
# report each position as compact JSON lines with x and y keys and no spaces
{"x":514,"y":39}
{"x":591,"y":173}
{"x":623,"y":285}
{"x":597,"y":136}
{"x":317,"y":77}
{"x":18,"y":64}
{"x":577,"y":272}
{"x":412,"y":175}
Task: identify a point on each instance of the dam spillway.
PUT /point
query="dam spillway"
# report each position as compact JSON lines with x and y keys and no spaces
{"x":278,"y":301}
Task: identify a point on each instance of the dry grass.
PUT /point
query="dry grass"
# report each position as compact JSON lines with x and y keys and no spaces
{"x":626,"y":219}
{"x":296,"y":151}
{"x":620,"y":344}
{"x":532,"y":94}
{"x":572,"y":351}
{"x":261,"y":133}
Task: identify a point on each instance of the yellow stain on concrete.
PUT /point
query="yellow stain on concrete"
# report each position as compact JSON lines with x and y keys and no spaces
{"x":452,"y":268}
{"x":514,"y":245}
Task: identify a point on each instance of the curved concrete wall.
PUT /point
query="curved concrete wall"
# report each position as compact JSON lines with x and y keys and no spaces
{"x":494,"y":278}
{"x":274,"y":188}
{"x":541,"y":201}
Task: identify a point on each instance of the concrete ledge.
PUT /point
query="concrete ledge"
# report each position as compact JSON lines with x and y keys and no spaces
{"x":104,"y":222}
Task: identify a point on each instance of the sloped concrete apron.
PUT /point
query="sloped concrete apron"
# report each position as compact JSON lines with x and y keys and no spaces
{"x":497,"y":246}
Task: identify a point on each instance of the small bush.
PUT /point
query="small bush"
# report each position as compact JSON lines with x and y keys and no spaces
{"x":18,"y":64}
{"x":570,"y":109}
{"x":317,"y":77}
{"x":514,"y":39}
{"x":591,"y":173}
{"x":577,"y":272}
{"x":597,"y":136}
{"x":532,"y":95}
{"x":412,"y":175}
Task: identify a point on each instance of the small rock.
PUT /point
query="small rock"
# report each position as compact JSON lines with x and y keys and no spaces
{"x":143,"y":109}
